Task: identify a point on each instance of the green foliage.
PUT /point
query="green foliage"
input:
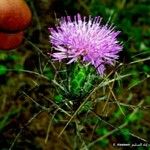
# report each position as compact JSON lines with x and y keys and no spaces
{"x":58,"y":98}
{"x":102,"y":131}
{"x":146,"y":68}
{"x":118,"y":113}
{"x":48,"y":73}
{"x":3,"y":70}
{"x":10,"y":61}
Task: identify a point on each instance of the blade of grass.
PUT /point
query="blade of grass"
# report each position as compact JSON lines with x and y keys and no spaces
{"x":139,"y":60}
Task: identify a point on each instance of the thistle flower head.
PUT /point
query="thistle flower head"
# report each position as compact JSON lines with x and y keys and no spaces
{"x":87,"y":39}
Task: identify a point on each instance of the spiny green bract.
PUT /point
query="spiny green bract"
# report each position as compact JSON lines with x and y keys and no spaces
{"x":76,"y":81}
{"x":81,"y":80}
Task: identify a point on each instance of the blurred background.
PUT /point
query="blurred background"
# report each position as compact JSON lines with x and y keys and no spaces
{"x":26,"y":90}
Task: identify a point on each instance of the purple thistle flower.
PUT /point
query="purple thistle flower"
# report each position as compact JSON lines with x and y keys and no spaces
{"x":87,"y":39}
